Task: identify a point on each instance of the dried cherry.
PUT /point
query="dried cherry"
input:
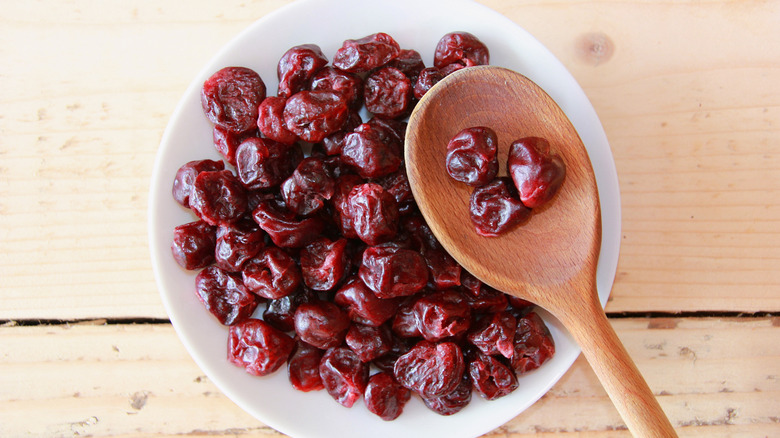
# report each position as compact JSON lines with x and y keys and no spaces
{"x":321,"y":324}
{"x":373,"y":213}
{"x":185,"y":178}
{"x":270,"y":120}
{"x":230,"y":98}
{"x":368,"y":150}
{"x":453,"y":402}
{"x":297,"y":66}
{"x":218,"y":197}
{"x":368,"y":342}
{"x":492,"y":379}
{"x":431,"y":370}
{"x":388,"y":93}
{"x":385,"y":397}
{"x":392,"y":272}
{"x":303,"y":368}
{"x":495,"y":209}
{"x":224,"y":295}
{"x":284,"y":227}
{"x":536,"y":172}
{"x":344,"y":376}
{"x":312,"y":115}
{"x":324,"y":263}
{"x":533,"y":344}
{"x":258,"y":347}
{"x":442,"y":314}
{"x":363,"y":306}
{"x":310,"y":186}
{"x":271,"y":274}
{"x":495,"y":334}
{"x":263,"y":163}
{"x":236,"y":243}
{"x":367,"y":53}
{"x":461,"y":48}
{"x":472,"y":156}
{"x":193,"y":245}
{"x":349,"y":85}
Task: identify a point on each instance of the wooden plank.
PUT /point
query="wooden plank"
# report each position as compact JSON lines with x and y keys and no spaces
{"x":687,"y":93}
{"x":134,"y":380}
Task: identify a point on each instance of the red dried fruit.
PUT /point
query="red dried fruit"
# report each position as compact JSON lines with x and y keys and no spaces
{"x":368,"y":342}
{"x":472,"y":156}
{"x":263,"y":163}
{"x":226,"y":143}
{"x":303,"y":368}
{"x":409,"y":62}
{"x":427,"y":78}
{"x":321,"y":324}
{"x":536,"y":172}
{"x":367,"y":53}
{"x":385,"y":397}
{"x":373,"y":213}
{"x":193,"y":245}
{"x":368,"y":150}
{"x":453,"y":402}
{"x":271,"y":274}
{"x":431,"y":370}
{"x":392,"y":272}
{"x":405,"y":322}
{"x":297,"y":66}
{"x":344,"y":376}
{"x":280,"y":312}
{"x":363,"y":306}
{"x":444,"y":270}
{"x":533,"y":344}
{"x":309,"y":187}
{"x":342,"y":216}
{"x":270,"y":120}
{"x":230,"y":98}
{"x":237,"y":243}
{"x":324,"y":263}
{"x":462,"y":48}
{"x":257,"y":347}
{"x":388,"y":93}
{"x":492,"y":379}
{"x":495,"y":334}
{"x":312,"y":115}
{"x":185,"y":178}
{"x":347,"y":84}
{"x":224,"y":295}
{"x":218,"y":197}
{"x":442,"y":314}
{"x":494,"y":209}
{"x":284,"y":227}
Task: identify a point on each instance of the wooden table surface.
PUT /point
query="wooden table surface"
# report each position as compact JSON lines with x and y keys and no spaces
{"x":688,"y":93}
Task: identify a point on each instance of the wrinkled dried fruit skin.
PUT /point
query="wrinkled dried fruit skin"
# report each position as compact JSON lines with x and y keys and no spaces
{"x":237,"y":243}
{"x":370,"y":153}
{"x":280,"y":312}
{"x":263,"y":163}
{"x":303,"y":368}
{"x":224,"y":295}
{"x":453,"y":402}
{"x":442,"y":314}
{"x":226,"y":143}
{"x":537,"y":173}
{"x":431,"y":370}
{"x":193,"y":245}
{"x":344,"y":376}
{"x":218,"y":197}
{"x":297,"y":66}
{"x":308,"y":189}
{"x":321,"y":324}
{"x":342,"y":216}
{"x":427,"y":78}
{"x":533,"y":344}
{"x":185,"y":178}
{"x":388,"y":93}
{"x":461,"y":48}
{"x":347,"y":84}
{"x":385,"y":397}
{"x":492,"y":379}
{"x":444,"y":271}
{"x":369,"y":342}
{"x":284,"y":228}
{"x":488,"y":300}
{"x":495,"y":334}
{"x":230,"y":98}
{"x":367,"y":53}
{"x":332,"y":144}
{"x":405,"y":322}
{"x":258,"y":347}
{"x":363,"y":306}
{"x":494,"y":209}
{"x":270,"y":120}
{"x":324,"y":263}
{"x":472,"y":156}
{"x":392,"y":272}
{"x":409,"y":62}
{"x":399,"y":346}
{"x":312,"y":115}
{"x":373,"y":213}
{"x":271,"y":274}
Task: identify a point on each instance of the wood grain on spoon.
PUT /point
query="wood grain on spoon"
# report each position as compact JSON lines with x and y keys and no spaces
{"x":551,"y":259}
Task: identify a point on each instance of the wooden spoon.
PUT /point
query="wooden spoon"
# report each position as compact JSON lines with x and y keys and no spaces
{"x":549,"y":260}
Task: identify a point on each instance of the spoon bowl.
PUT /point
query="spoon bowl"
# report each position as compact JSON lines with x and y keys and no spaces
{"x":552,"y":258}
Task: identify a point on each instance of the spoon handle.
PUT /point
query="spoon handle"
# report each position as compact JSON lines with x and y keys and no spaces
{"x":617,"y":372}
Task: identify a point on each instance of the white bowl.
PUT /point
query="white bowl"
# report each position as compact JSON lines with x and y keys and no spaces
{"x":416,"y":25}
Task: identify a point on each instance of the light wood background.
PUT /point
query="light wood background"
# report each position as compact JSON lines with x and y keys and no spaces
{"x":689,"y":95}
